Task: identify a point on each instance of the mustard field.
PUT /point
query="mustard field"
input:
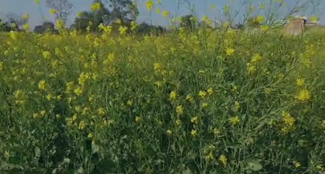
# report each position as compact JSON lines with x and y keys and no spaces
{"x":187,"y":102}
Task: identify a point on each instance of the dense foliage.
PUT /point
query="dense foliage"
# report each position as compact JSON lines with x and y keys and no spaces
{"x":197,"y":102}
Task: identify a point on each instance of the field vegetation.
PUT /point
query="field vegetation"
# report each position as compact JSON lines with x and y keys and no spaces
{"x":190,"y":101}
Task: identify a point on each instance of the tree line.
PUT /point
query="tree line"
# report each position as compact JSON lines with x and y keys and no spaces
{"x":109,"y":12}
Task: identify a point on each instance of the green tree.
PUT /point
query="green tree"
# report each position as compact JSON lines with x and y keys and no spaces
{"x":95,"y":17}
{"x":4,"y":26}
{"x":45,"y":27}
{"x":123,"y":10}
{"x":144,"y":28}
{"x":16,"y":20}
{"x":189,"y":22}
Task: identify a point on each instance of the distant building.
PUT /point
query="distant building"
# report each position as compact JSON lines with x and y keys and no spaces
{"x":298,"y":25}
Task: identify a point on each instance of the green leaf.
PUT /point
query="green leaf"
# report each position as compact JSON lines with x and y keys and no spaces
{"x":94,"y":148}
{"x":66,"y":161}
{"x":80,"y":170}
{"x":15,"y":160}
{"x":37,"y":152}
{"x":187,"y":171}
{"x":254,"y":165}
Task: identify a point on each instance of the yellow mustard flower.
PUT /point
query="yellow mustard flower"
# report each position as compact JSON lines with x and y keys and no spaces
{"x":42,"y":85}
{"x":165,"y":14}
{"x":223,"y":159}
{"x":194,"y":120}
{"x":304,"y":95}
{"x":172,"y":95}
{"x":300,"y":82}
{"x":150,"y":4}
{"x":202,"y":94}
{"x":230,"y":51}
{"x":234,"y":120}
{"x":194,"y":133}
{"x":180,"y":110}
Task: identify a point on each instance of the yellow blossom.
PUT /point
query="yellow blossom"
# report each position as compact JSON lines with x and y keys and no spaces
{"x":165,"y":14}
{"x":49,"y":97}
{"x":101,"y":111}
{"x":297,"y":164}
{"x":78,"y":91}
{"x":194,"y":133}
{"x":194,"y":120}
{"x":223,"y":159}
{"x":90,"y":135}
{"x":300,"y":82}
{"x":179,"y":110}
{"x":52,"y":11}
{"x":204,"y":105}
{"x":260,"y":19}
{"x":216,"y":131}
{"x":82,"y":125}
{"x":237,"y":106}
{"x":35,"y":115}
{"x":46,"y":54}
{"x":178,"y":122}
{"x":137,"y":119}
{"x":265,"y":27}
{"x":123,"y":30}
{"x":19,"y":94}
{"x":202,"y":94}
{"x":256,"y":58}
{"x":157,"y":66}
{"x":234,"y":120}
{"x":288,"y":119}
{"x":230,"y":51}
{"x":210,"y":91}
{"x":43,"y":112}
{"x":13,"y":35}
{"x":149,"y":4}
{"x":26,"y":27}
{"x":172,"y":95}
{"x":205,"y":18}
{"x":129,"y":102}
{"x":190,"y":98}
{"x":320,"y":167}
{"x":96,"y":6}
{"x":42,"y":85}
{"x":304,"y":95}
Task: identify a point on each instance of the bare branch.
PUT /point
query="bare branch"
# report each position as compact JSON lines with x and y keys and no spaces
{"x":63,"y":8}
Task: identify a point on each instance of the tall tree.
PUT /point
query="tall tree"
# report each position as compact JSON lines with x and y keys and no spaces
{"x":63,"y":8}
{"x":4,"y":26}
{"x":47,"y":26}
{"x":188,"y":22}
{"x":110,"y":12}
{"x":16,"y":20}
{"x":124,"y":10}
{"x":95,"y":17}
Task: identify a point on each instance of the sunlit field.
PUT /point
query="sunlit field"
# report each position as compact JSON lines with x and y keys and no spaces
{"x":206,"y":101}
{"x":203,"y":102}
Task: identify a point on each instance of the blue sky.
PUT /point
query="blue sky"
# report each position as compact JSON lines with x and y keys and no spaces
{"x":202,"y":7}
